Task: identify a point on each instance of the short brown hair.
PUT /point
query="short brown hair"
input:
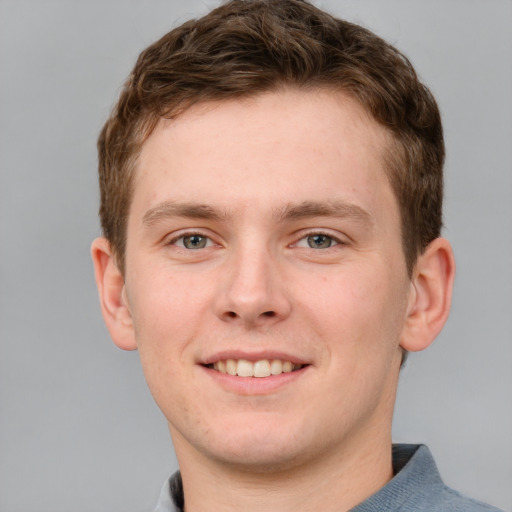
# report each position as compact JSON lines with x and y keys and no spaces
{"x":246,"y":47}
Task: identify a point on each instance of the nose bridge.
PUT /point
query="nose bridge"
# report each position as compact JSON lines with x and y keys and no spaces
{"x":252,"y":287}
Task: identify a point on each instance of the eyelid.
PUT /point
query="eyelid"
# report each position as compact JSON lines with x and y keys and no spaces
{"x":174,"y":237}
{"x":337,"y":238}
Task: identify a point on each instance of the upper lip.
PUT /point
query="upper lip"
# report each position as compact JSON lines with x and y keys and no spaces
{"x":254,"y":356}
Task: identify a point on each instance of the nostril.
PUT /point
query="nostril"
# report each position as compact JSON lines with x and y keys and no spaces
{"x":233,"y":315}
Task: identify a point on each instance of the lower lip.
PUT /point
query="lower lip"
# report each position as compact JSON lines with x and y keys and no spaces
{"x":253,"y":385}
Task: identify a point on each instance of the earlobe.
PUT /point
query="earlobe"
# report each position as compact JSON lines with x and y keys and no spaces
{"x":112,"y":293}
{"x":430,"y":296}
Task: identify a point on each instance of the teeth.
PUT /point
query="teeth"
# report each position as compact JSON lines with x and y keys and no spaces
{"x":261,"y":368}
{"x":276,"y":367}
{"x":287,"y":366}
{"x":230,"y":366}
{"x":244,"y":368}
{"x":221,"y":367}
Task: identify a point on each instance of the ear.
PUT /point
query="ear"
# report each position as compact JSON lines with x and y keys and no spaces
{"x":431,"y":296}
{"x":111,"y":288}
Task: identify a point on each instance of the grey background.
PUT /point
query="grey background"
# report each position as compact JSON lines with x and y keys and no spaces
{"x":78,"y":428}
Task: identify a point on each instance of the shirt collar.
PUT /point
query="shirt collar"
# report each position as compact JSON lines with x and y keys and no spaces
{"x":414,"y":469}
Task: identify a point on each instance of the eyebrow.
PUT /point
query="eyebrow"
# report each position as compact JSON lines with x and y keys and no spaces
{"x":188,"y":210}
{"x":335,"y":208}
{"x":291,"y":211}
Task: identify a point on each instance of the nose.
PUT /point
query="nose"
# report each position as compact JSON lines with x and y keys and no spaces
{"x":252,"y":289}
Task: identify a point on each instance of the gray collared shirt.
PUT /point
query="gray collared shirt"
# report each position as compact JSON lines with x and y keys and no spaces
{"x":416,"y":486}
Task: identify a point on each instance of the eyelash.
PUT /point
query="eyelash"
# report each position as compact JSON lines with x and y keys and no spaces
{"x":182,"y":236}
{"x":336,"y":241}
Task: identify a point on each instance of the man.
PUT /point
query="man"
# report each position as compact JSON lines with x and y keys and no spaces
{"x":271,"y":201}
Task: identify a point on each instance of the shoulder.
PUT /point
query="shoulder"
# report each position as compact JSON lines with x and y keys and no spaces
{"x":445,"y":499}
{"x":418,"y":487}
{"x":427,"y":491}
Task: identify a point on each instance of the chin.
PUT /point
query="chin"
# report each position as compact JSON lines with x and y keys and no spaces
{"x":268,"y":448}
{"x":257,"y":460}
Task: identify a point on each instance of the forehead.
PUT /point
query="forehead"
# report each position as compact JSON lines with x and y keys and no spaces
{"x":276,"y":147}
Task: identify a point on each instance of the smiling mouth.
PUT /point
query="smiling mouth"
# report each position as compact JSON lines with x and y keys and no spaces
{"x":261,"y":368}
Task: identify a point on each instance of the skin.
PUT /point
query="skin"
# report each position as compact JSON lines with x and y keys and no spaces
{"x":257,"y":180}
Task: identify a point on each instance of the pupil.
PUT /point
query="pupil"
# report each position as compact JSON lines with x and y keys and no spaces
{"x":319,"y":241}
{"x":194,"y":242}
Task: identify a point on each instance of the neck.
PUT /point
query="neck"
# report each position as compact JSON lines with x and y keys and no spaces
{"x":336,"y":481}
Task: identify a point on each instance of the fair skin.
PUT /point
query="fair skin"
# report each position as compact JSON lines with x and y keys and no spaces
{"x":265,"y":230}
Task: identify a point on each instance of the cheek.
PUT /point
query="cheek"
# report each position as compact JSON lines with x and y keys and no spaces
{"x":166,"y":319}
{"x":166,"y":314}
{"x":342,"y":298}
{"x":358,"y":310}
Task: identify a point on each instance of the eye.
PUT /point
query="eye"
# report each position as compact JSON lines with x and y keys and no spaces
{"x":193,"y":241}
{"x":317,"y":241}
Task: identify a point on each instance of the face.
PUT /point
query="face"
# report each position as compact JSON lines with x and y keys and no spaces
{"x":265,"y":278}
